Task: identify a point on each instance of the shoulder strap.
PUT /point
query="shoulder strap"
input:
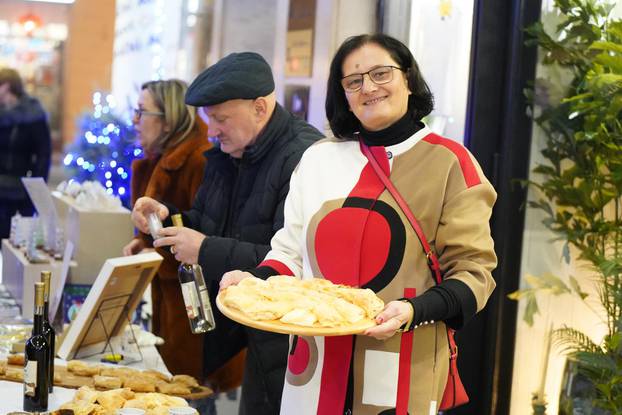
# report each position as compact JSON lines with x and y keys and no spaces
{"x":433,"y":263}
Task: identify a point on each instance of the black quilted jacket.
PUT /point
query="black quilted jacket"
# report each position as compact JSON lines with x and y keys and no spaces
{"x":239,"y":206}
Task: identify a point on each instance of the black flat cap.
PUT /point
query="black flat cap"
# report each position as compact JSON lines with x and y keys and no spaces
{"x":244,"y":75}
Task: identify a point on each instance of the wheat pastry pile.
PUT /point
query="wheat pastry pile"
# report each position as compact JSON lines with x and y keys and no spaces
{"x":315,"y":302}
{"x":88,"y":401}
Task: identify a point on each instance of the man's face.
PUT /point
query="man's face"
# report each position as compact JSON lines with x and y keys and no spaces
{"x":234,"y":123}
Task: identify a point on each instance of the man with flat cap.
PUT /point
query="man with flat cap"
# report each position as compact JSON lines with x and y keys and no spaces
{"x":238,"y":208}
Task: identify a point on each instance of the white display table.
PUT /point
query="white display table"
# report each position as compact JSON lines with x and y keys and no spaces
{"x":19,"y":275}
{"x":11,"y":397}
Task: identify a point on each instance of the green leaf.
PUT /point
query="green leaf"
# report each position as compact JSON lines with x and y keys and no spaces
{"x":609,"y":46}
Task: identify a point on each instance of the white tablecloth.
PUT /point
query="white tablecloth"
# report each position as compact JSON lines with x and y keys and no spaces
{"x":12,"y":395}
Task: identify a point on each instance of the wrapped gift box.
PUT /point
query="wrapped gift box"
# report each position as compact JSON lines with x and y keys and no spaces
{"x":96,"y":235}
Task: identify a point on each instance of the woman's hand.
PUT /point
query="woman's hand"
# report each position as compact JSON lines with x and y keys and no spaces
{"x":185,"y":243}
{"x":133,"y":247}
{"x":233,"y":278}
{"x":142,"y":208}
{"x":394,"y":316}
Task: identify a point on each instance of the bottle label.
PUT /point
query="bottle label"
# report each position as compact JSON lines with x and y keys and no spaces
{"x":30,"y":378}
{"x":188,"y":291}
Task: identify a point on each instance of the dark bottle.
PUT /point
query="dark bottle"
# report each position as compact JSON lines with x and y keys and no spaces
{"x":37,"y":353}
{"x":194,"y":291}
{"x":48,"y":330}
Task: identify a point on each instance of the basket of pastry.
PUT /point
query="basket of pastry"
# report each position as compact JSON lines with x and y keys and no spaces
{"x":311,"y":307}
{"x":107,"y":377}
{"x":88,"y":401}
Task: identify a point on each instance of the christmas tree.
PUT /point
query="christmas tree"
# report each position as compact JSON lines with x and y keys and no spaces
{"x":104,"y":149}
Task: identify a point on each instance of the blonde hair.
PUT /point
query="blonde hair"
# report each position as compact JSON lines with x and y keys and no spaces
{"x":180,"y":118}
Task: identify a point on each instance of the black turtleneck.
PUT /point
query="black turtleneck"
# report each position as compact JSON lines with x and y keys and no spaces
{"x":400,"y":131}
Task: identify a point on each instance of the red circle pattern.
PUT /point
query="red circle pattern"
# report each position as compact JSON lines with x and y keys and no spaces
{"x":345,"y":250}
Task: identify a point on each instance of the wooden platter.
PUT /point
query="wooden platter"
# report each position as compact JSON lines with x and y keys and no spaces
{"x":72,"y":381}
{"x":277,"y":326}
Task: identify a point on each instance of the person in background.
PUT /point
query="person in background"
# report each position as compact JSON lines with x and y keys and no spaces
{"x":341,"y":224}
{"x":174,"y":141}
{"x":25,"y":146}
{"x":238,"y":208}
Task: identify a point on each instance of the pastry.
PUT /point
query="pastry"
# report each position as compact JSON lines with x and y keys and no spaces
{"x":86,"y":394}
{"x":14,"y":374}
{"x":186,"y":380}
{"x":15,"y":359}
{"x":173,"y":388}
{"x":82,"y":369}
{"x":118,"y":372}
{"x":111,"y":400}
{"x":107,"y":382}
{"x":314,"y":302}
{"x":157,"y":374}
{"x":139,"y":384}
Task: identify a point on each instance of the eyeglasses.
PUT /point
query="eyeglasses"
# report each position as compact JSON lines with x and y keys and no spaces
{"x":139,"y":112}
{"x":380,"y":75}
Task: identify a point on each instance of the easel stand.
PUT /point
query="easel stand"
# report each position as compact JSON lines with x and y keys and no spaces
{"x":110,"y":310}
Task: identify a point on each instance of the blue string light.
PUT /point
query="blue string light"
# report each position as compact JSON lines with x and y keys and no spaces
{"x":105,"y":143}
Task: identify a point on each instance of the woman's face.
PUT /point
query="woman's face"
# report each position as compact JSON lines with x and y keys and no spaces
{"x":376,"y":106}
{"x":148,"y":125}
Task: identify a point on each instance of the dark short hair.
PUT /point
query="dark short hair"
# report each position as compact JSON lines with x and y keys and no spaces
{"x":15,"y":81}
{"x":342,"y":121}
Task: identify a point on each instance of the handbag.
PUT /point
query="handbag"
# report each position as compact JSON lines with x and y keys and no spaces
{"x":454,"y":394}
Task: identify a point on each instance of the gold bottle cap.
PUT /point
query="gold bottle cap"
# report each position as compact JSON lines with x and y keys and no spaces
{"x":39,"y":288}
{"x":177,"y":220}
{"x":46,"y":277}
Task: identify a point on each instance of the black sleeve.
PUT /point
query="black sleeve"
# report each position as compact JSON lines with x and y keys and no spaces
{"x":42,"y":148}
{"x":451,"y":301}
{"x":263,"y":272}
{"x":218,"y":255}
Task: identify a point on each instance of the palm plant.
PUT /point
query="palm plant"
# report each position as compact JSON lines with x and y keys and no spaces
{"x":580,"y":183}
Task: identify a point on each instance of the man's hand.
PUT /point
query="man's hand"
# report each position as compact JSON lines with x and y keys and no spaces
{"x":133,"y":247}
{"x":394,"y":316}
{"x":142,"y":208}
{"x":184,"y":242}
{"x":233,"y":278}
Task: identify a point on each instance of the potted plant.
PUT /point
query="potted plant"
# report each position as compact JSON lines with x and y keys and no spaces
{"x":580,"y":182}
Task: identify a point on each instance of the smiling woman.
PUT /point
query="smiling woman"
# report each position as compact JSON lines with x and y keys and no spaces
{"x":341,"y":225}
